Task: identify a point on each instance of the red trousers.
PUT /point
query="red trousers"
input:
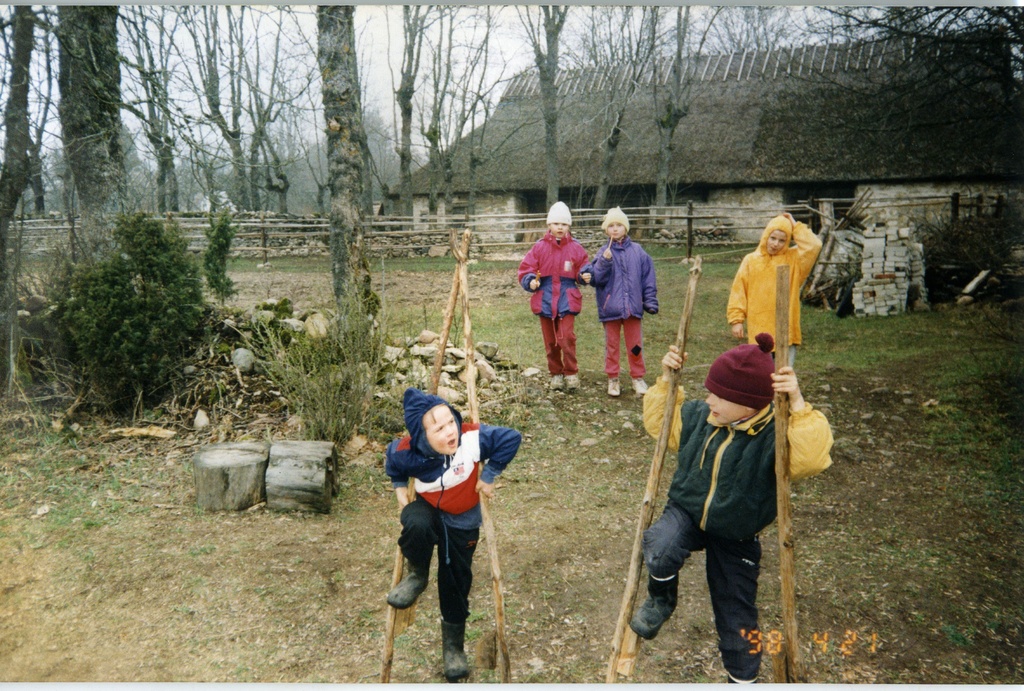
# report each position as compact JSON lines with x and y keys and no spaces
{"x":560,"y":344}
{"x":633,"y":334}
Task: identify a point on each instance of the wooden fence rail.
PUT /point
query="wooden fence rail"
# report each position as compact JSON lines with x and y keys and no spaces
{"x":680,"y":226}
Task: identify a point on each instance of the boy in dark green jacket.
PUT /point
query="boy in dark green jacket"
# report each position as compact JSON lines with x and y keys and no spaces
{"x":723,"y":491}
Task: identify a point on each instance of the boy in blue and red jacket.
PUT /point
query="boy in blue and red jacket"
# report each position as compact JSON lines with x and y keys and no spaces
{"x":446,"y":458}
{"x":551,"y":271}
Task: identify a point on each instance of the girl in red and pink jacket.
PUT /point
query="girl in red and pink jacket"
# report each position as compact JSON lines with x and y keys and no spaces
{"x":552,"y":270}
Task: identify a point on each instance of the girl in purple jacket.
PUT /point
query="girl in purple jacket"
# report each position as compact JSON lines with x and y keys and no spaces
{"x":626,"y":288}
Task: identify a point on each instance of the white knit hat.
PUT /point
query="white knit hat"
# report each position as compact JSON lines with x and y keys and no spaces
{"x":559,"y":213}
{"x":615,"y":215}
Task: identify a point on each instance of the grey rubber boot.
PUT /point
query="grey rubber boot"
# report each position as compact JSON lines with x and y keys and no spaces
{"x":403,"y":595}
{"x":656,"y":609}
{"x":453,"y":637}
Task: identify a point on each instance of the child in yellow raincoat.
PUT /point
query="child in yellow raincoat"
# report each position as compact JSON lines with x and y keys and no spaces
{"x":752,"y":298}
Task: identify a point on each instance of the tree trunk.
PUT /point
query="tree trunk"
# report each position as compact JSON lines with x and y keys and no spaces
{"x":90,"y":115}
{"x":611,"y":145}
{"x":302,"y":476}
{"x":15,"y":165}
{"x":230,"y":476}
{"x":346,"y":141}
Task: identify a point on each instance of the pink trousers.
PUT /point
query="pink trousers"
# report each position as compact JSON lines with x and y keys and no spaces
{"x":633,"y":333}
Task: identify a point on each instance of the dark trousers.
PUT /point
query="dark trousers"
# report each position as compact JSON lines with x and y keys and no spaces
{"x":422,"y":529}
{"x":732,"y":570}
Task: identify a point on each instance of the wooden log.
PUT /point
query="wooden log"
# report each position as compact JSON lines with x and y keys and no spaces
{"x":301,"y":476}
{"x":230,"y":476}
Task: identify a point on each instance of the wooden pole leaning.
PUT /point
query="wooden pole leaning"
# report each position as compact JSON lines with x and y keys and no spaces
{"x":501,"y":647}
{"x":626,"y":643}
{"x":398,"y":620}
{"x":786,"y":664}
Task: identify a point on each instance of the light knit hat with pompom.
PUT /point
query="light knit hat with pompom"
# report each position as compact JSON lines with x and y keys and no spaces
{"x":559,"y":213}
{"x":615,"y":215}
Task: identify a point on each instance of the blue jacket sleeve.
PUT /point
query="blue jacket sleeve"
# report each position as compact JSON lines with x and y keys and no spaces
{"x":394,"y":467}
{"x":498,"y":446}
{"x":650,"y":285}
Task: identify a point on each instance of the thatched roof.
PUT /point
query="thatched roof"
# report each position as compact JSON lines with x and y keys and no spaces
{"x":816,"y":114}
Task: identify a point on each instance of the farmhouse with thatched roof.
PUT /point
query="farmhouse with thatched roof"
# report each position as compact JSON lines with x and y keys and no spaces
{"x":764,"y":127}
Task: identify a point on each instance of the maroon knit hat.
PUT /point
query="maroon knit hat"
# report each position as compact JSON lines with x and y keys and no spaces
{"x":743,"y":375}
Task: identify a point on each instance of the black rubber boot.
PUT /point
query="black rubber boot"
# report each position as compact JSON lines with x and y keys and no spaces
{"x":656,"y":609}
{"x":453,"y":637}
{"x":409,"y":588}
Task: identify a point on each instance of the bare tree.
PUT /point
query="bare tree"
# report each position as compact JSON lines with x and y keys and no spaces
{"x":14,"y":168}
{"x":90,"y":111}
{"x":415,"y":19}
{"x":753,"y":28}
{"x":621,"y":43}
{"x":460,"y":85}
{"x":214,"y":53}
{"x":42,"y":119}
{"x":345,"y":144}
{"x":974,"y":50}
{"x":150,"y":32}
{"x":544,"y":29}
{"x":672,"y":102}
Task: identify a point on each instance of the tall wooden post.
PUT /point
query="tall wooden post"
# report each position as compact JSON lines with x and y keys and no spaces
{"x":625,"y":642}
{"x":501,"y":647}
{"x":787,"y":664}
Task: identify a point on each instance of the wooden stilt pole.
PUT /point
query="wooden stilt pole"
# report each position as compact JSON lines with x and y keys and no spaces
{"x":505,"y":667}
{"x":625,"y":644}
{"x":449,"y":310}
{"x":787,"y":665}
{"x":398,"y":620}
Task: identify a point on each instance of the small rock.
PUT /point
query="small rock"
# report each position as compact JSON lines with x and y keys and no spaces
{"x":486,"y":372}
{"x":189,"y":370}
{"x":530,"y":372}
{"x":316,"y":325}
{"x":202,"y":420}
{"x":590,"y":441}
{"x":603,"y":461}
{"x":879,"y":390}
{"x":294,"y":325}
{"x":451,"y":395}
{"x":392,"y":354}
{"x":423,"y":351}
{"x":243,"y":359}
{"x":426,"y":336}
{"x":487,"y":349}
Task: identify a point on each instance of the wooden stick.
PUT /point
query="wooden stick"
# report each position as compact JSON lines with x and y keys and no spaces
{"x":398,"y":620}
{"x":787,"y":665}
{"x":449,"y":311}
{"x":626,"y":643}
{"x":485,"y":509}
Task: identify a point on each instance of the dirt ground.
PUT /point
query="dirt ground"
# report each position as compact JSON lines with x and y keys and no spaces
{"x":906,"y":572}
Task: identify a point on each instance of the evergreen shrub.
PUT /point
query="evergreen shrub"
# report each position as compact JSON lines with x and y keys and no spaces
{"x":128,"y":318}
{"x":219,"y":235}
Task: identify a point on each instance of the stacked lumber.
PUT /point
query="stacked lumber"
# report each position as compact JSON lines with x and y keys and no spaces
{"x":891,"y":266}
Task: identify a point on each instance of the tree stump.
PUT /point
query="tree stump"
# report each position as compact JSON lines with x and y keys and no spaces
{"x":230,"y":476}
{"x":302,"y":476}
